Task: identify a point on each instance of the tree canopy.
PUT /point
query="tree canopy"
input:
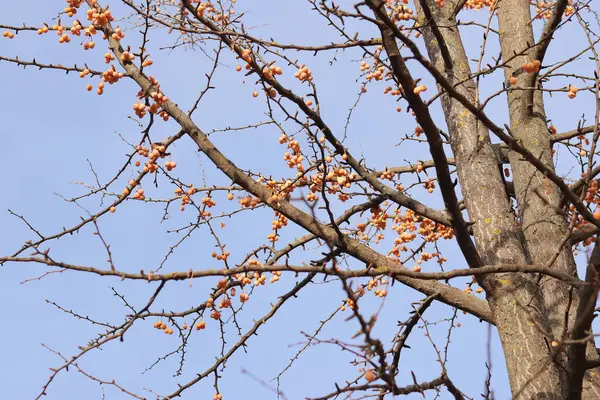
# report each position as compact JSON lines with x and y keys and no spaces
{"x":301,"y":199}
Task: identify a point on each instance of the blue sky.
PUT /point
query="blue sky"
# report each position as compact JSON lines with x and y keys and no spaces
{"x":52,"y":130}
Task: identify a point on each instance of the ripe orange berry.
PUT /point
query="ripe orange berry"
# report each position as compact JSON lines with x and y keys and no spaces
{"x":113,"y":209}
{"x":255,"y":94}
{"x":512,"y":80}
{"x":370,"y":375}
{"x":572,"y":92}
{"x":533,"y":66}
{"x":238,"y":68}
{"x":419,"y":89}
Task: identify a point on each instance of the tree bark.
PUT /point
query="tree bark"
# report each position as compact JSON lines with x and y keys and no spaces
{"x":544,"y":227}
{"x":522,"y":311}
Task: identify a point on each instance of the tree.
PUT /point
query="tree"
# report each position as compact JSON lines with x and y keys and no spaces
{"x":509,"y":217}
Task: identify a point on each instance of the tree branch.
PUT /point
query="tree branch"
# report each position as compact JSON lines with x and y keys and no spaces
{"x":451,"y":296}
{"x":433,"y":136}
{"x":588,"y":295}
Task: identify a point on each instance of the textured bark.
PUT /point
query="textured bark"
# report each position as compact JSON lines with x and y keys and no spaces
{"x":436,"y":148}
{"x":583,"y":322}
{"x":522,"y":315}
{"x":481,"y":181}
{"x":543,"y":226}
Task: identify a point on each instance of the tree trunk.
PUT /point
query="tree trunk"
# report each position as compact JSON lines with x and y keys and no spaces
{"x":544,"y":227}
{"x":522,"y":311}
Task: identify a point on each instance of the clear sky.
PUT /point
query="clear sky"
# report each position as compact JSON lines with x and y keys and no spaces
{"x":52,"y":130}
